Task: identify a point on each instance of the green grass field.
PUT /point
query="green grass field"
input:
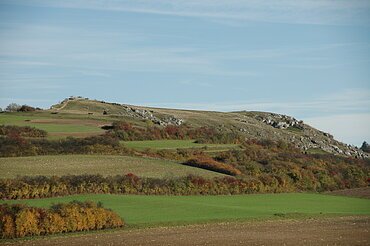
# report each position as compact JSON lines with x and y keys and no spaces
{"x":142,"y":211}
{"x":55,"y":129}
{"x":95,"y":164}
{"x":176,"y":144}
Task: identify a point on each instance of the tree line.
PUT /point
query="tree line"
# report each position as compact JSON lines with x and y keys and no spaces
{"x":14,"y":107}
{"x":42,"y":187}
{"x":19,"y":220}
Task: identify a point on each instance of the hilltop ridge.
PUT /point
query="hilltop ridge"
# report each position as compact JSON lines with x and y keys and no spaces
{"x":250,"y":124}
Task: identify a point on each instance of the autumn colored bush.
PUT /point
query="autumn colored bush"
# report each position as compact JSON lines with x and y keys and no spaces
{"x":283,"y":167}
{"x":21,"y":221}
{"x":23,"y":131}
{"x":209,"y":163}
{"x":42,"y":187}
{"x":128,"y":132}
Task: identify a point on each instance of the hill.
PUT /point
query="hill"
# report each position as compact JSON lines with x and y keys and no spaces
{"x":251,"y":125}
{"x":157,"y":166}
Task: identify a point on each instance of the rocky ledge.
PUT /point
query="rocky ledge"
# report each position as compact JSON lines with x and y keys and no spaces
{"x":148,"y":115}
{"x":280,"y":121}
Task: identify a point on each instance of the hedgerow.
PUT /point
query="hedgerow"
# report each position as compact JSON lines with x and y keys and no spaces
{"x":42,"y":187}
{"x":21,"y":221}
{"x":15,"y":145}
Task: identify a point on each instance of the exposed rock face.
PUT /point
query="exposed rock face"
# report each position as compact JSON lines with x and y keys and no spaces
{"x":329,"y":145}
{"x":280,"y":121}
{"x":148,"y":115}
{"x":289,"y":129}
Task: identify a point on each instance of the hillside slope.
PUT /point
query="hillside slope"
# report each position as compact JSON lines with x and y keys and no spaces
{"x":250,"y":124}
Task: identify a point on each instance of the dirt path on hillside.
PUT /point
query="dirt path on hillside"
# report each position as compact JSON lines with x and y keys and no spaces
{"x":327,"y":231}
{"x":63,"y":106}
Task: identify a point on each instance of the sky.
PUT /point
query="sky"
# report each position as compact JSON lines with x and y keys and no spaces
{"x":308,"y":59}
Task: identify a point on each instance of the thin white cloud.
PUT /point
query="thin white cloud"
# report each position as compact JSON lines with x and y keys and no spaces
{"x":285,"y":11}
{"x":25,"y":63}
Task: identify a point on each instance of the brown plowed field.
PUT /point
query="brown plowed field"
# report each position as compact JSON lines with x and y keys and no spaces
{"x":324,"y":231}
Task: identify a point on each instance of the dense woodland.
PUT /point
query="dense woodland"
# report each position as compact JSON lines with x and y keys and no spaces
{"x":22,"y":221}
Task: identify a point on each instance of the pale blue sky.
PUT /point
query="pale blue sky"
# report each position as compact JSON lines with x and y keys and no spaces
{"x":309,"y":59}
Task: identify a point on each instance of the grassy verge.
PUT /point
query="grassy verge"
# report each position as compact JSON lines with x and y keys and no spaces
{"x":149,"y":211}
{"x":57,"y":128}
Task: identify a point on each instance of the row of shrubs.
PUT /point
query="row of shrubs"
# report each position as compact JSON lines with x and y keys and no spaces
{"x":23,"y":131}
{"x":42,"y":187}
{"x":127,"y":132}
{"x":15,"y":145}
{"x":21,"y":221}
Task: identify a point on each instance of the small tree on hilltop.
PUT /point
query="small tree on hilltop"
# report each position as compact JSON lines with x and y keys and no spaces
{"x":365,"y":147}
{"x":13,"y":107}
{"x":26,"y":108}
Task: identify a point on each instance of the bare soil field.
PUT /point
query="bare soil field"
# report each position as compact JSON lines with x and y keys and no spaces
{"x":358,"y":192}
{"x":352,"y":230}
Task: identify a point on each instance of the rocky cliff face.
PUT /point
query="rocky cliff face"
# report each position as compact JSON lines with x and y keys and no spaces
{"x":280,"y":121}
